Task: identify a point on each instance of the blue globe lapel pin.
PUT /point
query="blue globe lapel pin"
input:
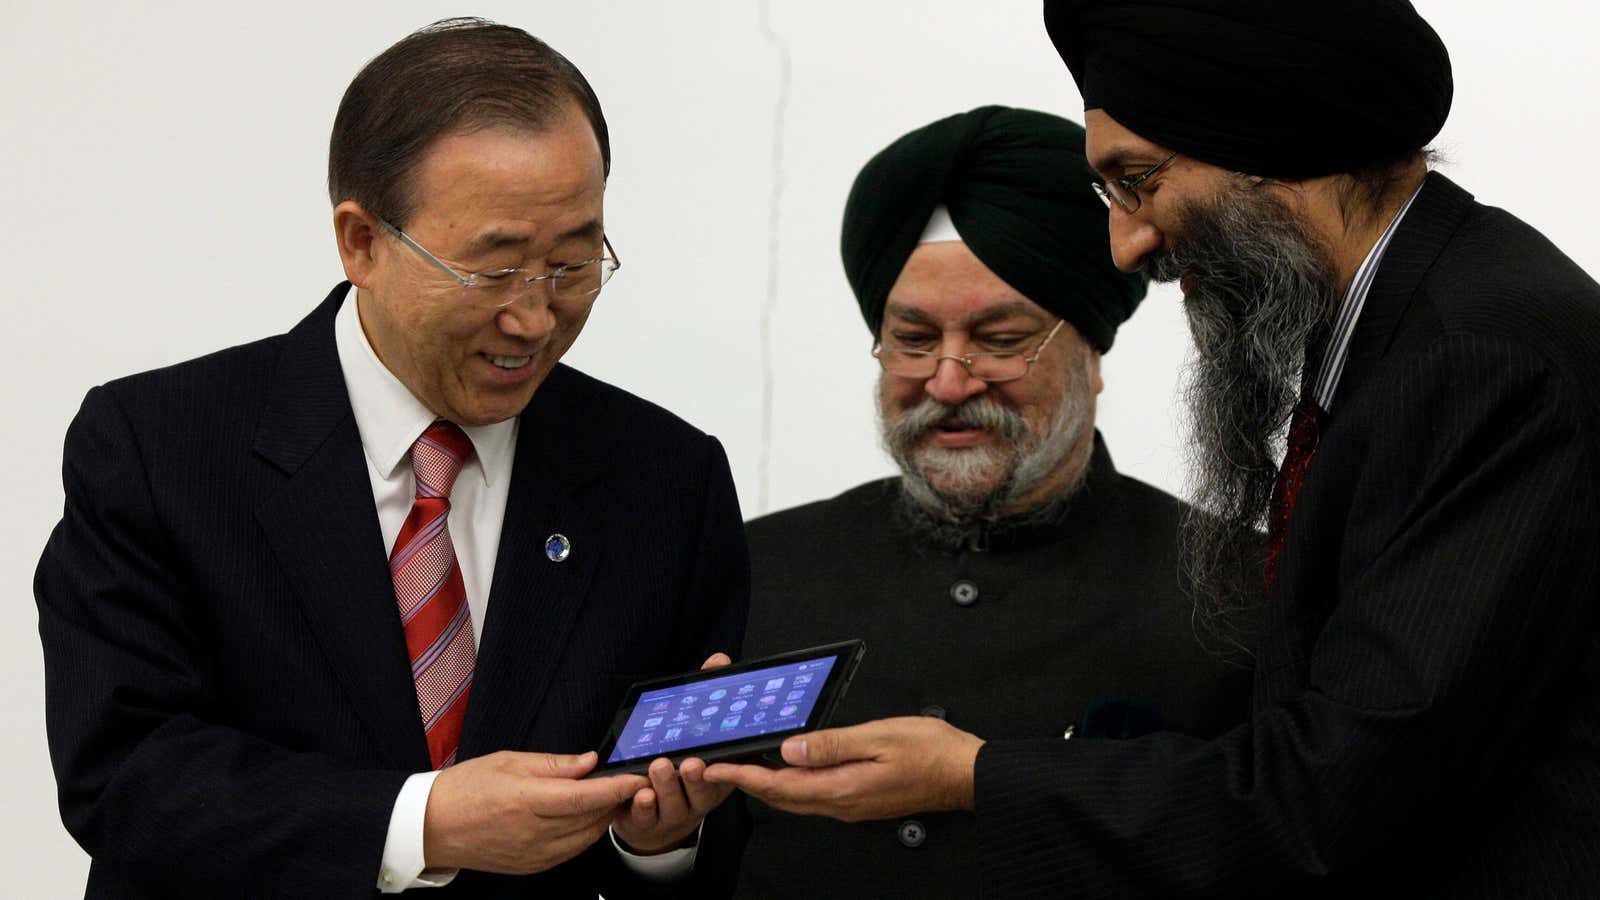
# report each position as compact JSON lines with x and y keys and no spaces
{"x":557,"y":547}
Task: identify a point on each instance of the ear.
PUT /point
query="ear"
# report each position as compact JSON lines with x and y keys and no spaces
{"x":1091,"y":369}
{"x":357,"y":233}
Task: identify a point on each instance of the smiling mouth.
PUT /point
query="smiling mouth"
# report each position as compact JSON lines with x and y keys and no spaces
{"x":508,"y":362}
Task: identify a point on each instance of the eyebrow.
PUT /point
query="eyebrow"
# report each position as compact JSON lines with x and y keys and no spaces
{"x":591,"y":230}
{"x":490,"y":241}
{"x":1120,"y":159}
{"x":992,"y":314}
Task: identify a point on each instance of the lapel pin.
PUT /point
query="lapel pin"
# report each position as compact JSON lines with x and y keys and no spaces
{"x":557,"y":547}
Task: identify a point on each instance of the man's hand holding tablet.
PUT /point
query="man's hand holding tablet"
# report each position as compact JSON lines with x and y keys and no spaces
{"x":728,"y":712}
{"x":662,"y":816}
{"x":875,"y":770}
{"x":668,"y":728}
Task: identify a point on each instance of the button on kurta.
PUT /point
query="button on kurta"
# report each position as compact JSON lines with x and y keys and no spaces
{"x":965,"y":593}
{"x":912,"y":834}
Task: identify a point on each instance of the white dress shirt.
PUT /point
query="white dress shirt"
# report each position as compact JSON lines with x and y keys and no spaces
{"x":390,"y":419}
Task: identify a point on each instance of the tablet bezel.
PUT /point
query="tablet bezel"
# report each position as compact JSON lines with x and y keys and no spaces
{"x":847,"y":656}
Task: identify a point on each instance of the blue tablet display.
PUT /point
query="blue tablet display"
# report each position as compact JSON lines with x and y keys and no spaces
{"x":717,"y":710}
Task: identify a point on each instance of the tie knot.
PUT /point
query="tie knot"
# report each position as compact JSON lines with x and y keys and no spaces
{"x":437,"y":458}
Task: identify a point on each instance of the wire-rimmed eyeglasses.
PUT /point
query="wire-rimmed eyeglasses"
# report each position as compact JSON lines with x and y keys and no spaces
{"x":1125,"y":191}
{"x":991,"y":366}
{"x":501,"y":287}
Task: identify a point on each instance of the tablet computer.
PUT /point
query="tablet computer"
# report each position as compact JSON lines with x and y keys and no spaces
{"x":742,"y":711}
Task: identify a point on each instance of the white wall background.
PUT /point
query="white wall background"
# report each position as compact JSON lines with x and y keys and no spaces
{"x":161,"y":196}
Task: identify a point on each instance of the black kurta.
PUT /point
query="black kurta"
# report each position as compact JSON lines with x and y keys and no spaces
{"x":1012,"y":642}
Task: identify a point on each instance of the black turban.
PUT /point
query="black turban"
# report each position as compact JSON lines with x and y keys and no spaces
{"x":1277,"y":88}
{"x":1017,"y":187}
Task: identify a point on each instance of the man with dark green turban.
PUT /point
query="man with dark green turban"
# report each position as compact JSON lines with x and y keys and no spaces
{"x":1010,"y":581}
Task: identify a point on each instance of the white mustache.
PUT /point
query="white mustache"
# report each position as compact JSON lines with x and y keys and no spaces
{"x":979,"y":412}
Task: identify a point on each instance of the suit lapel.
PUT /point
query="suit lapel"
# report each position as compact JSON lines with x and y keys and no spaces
{"x":323,"y":529}
{"x":1440,"y":208}
{"x":534,"y":600}
{"x":1438,"y":211}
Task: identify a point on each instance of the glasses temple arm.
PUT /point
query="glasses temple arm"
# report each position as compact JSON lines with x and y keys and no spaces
{"x":406,"y":239}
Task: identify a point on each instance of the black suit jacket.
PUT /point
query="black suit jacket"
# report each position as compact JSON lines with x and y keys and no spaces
{"x":228,"y":697}
{"x":1427,"y":700}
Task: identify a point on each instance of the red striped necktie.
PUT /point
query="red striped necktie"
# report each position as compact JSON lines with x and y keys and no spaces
{"x":1304,"y":430}
{"x":432,"y":598}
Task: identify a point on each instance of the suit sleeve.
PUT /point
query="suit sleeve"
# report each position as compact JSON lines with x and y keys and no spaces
{"x":715,"y":608}
{"x":1467,"y":576}
{"x":151,"y":781}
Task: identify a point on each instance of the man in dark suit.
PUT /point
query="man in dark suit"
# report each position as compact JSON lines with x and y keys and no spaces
{"x":342,"y":610}
{"x":1010,"y":581}
{"x":1426,"y":716}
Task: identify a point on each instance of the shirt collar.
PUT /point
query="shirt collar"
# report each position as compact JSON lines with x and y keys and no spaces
{"x":390,"y":418}
{"x":1344,"y":324}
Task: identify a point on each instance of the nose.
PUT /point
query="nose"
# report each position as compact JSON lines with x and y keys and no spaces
{"x":952,"y":384}
{"x":529,"y":317}
{"x":1132,"y":239}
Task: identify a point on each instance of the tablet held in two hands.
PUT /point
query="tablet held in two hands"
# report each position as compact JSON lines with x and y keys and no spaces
{"x":761,"y":727}
{"x":731,"y":713}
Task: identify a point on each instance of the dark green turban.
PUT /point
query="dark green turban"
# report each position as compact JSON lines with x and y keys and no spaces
{"x":1017,"y":187}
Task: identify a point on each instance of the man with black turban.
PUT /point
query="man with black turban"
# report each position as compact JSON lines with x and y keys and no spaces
{"x":1010,"y":581}
{"x":1426,"y":716}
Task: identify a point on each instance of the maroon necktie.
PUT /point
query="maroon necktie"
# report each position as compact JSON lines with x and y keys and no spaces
{"x":1302,"y":448}
{"x":432,"y":598}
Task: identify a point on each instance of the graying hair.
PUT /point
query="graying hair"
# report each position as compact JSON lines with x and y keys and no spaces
{"x":1264,"y":289}
{"x":952,"y":518}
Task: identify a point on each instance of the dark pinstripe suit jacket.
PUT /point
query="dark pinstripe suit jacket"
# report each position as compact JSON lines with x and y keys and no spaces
{"x":1427,"y":701}
{"x":228,"y":697}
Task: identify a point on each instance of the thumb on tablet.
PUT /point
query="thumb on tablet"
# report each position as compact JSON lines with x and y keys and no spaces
{"x":558,"y":765}
{"x":829,"y":747}
{"x":716,"y":661}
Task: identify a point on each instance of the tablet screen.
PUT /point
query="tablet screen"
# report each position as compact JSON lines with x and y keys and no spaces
{"x":718,"y":710}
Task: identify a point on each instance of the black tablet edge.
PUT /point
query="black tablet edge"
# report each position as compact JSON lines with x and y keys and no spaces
{"x":849,"y":654}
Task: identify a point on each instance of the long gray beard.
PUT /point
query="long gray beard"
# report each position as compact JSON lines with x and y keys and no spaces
{"x":971,"y":505}
{"x":1264,"y":290}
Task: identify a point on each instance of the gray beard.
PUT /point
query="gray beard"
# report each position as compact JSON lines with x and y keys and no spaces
{"x":1265,"y":289}
{"x":972,"y":504}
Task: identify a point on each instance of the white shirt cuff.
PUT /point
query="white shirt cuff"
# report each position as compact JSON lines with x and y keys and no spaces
{"x":403,"y":865}
{"x":661,"y":867}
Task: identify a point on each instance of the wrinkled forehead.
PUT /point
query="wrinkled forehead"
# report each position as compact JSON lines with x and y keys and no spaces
{"x":946,"y":284}
{"x":489,"y":188}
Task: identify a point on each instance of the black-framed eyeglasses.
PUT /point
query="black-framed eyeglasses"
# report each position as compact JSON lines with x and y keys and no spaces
{"x":993,"y":367}
{"x":501,"y":287}
{"x":1125,"y":191}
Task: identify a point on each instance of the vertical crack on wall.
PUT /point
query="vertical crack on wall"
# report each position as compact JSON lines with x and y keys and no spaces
{"x":780,"y":112}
